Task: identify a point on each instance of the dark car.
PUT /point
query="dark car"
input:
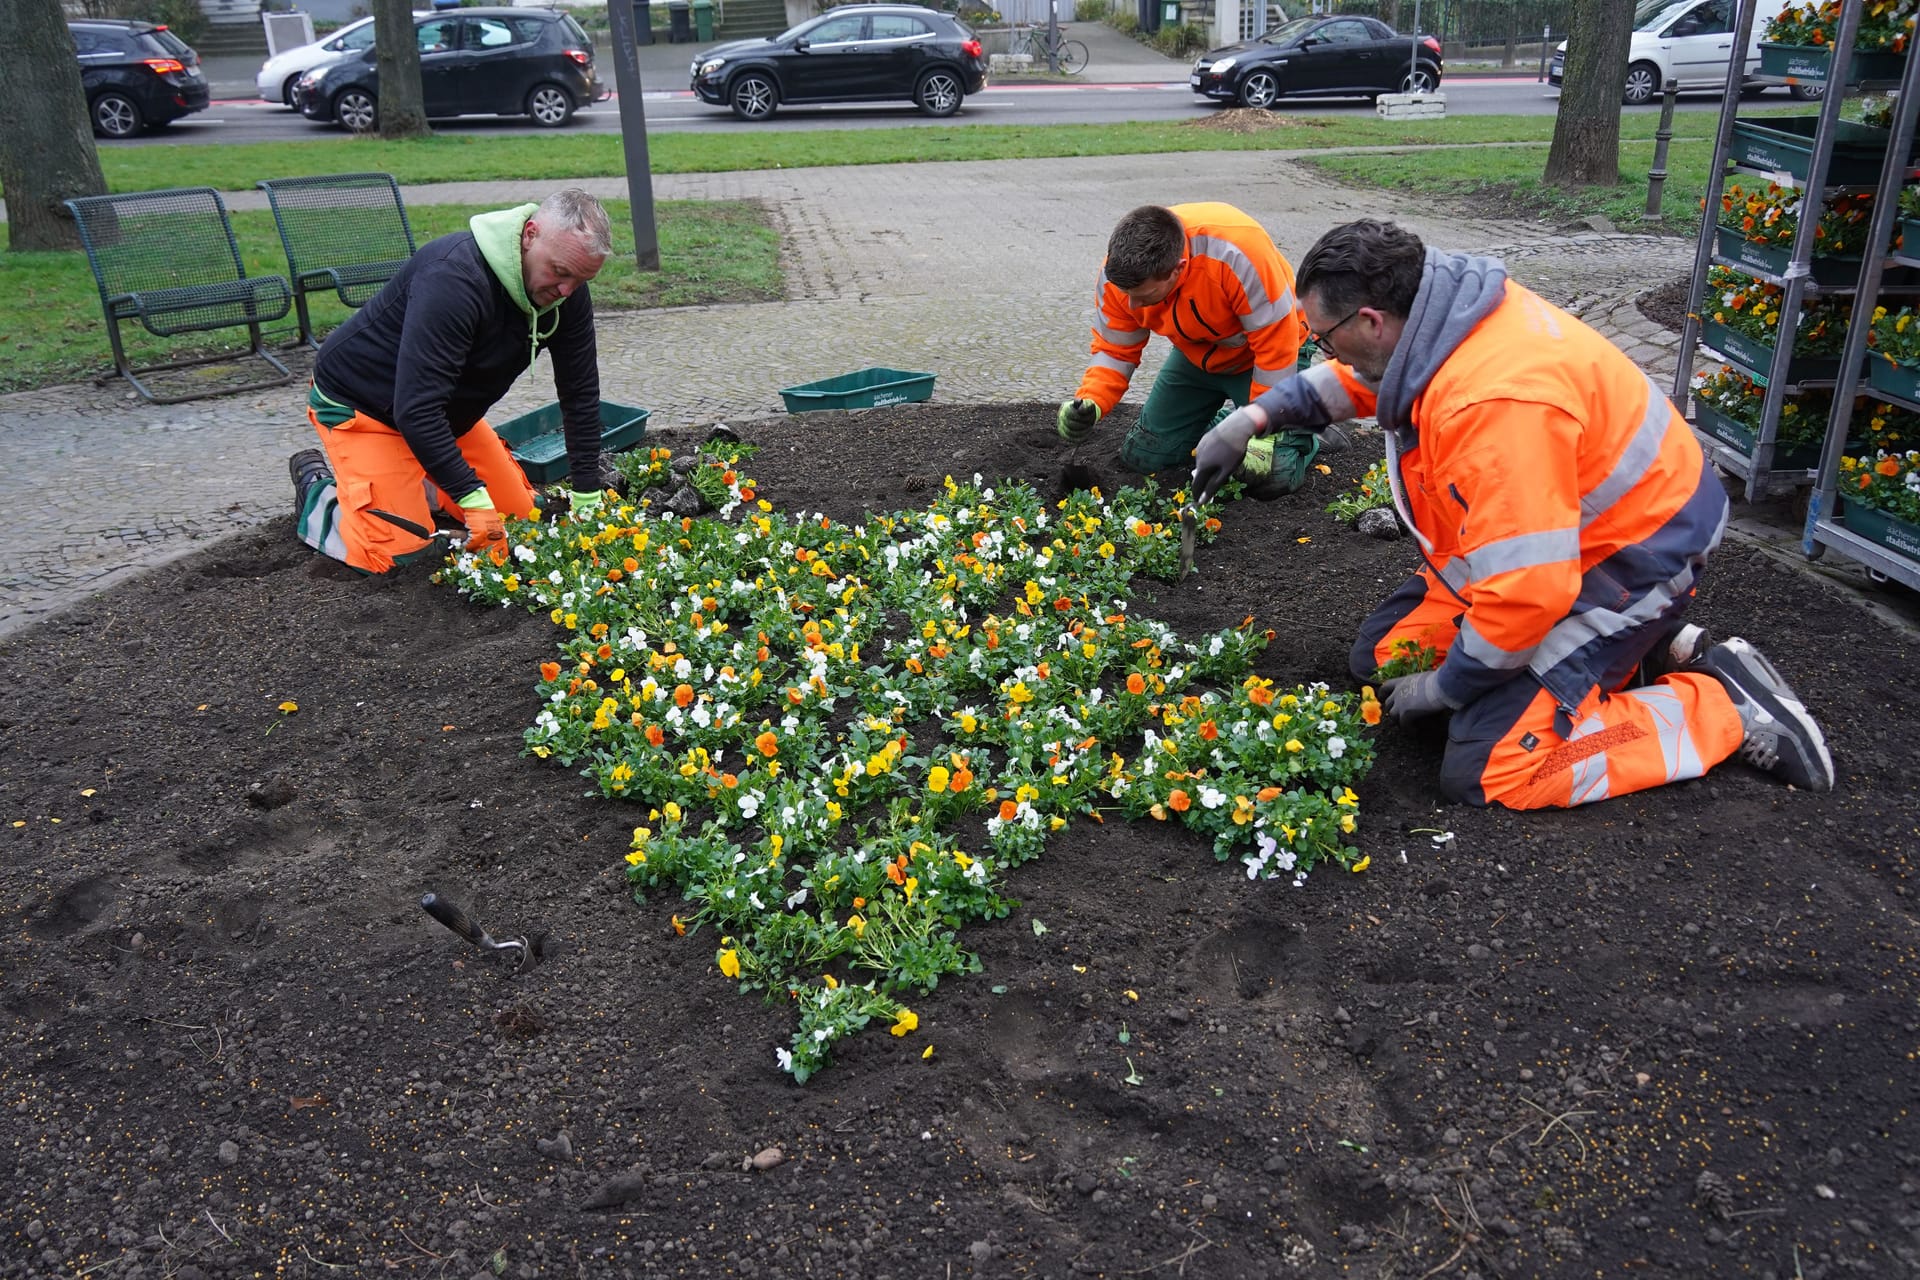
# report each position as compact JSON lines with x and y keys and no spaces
{"x":1319,"y":57}
{"x":507,"y":62}
{"x":858,"y":53}
{"x":136,"y":75}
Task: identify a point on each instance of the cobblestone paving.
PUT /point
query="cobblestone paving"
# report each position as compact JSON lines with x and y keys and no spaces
{"x":980,"y":272}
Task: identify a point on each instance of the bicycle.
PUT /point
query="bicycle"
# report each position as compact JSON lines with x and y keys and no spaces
{"x":1032,"y":41}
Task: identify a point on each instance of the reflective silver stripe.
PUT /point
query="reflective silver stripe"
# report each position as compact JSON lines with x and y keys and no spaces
{"x":1261,"y":310}
{"x":1394,"y":483}
{"x":1485,"y":652}
{"x":1268,"y":377}
{"x":1634,"y":460}
{"x":1332,"y":392}
{"x":1589,"y":775}
{"x":1454,"y":574}
{"x":1235,"y":340}
{"x":1523,"y":551}
{"x":1581,"y":629}
{"x":1118,"y":337}
{"x":1677,"y":749}
{"x":1125,"y":368}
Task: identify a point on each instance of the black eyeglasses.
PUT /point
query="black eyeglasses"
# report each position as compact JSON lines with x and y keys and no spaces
{"x":1320,"y":339}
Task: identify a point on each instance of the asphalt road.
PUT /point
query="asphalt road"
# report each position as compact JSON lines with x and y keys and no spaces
{"x":676,"y":110}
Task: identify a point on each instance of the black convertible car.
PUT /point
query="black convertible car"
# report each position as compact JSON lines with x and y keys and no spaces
{"x":1319,"y":57}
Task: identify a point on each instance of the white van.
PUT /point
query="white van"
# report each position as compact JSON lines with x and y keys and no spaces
{"x":1689,"y":41}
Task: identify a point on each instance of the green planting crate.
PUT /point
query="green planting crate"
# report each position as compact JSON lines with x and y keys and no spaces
{"x":539,"y":439}
{"x":1813,"y":63}
{"x":1908,"y":243}
{"x":1740,"y":438}
{"x":1901,"y":380}
{"x":1756,"y":356}
{"x":1784,"y":144}
{"x":1874,"y":525}
{"x":866,"y":389}
{"x":1839,"y":269}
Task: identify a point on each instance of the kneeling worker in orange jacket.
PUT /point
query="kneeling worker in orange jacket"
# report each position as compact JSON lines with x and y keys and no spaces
{"x":1564,"y":510}
{"x":1210,"y":279}
{"x":399,"y":390}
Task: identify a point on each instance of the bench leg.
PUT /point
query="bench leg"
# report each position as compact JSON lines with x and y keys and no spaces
{"x":258,"y":348}
{"x":306,"y":321}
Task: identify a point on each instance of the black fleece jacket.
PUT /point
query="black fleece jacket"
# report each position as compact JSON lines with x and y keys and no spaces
{"x":435,"y":348}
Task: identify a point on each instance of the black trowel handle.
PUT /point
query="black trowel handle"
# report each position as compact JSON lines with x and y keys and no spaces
{"x":448,"y":913}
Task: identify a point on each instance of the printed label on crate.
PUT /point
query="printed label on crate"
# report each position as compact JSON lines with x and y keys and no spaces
{"x":886,"y":398}
{"x":1798,"y":61}
{"x":1874,"y":525}
{"x":1728,"y":433}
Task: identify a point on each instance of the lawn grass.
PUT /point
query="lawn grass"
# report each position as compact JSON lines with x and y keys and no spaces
{"x":709,"y":252}
{"x":453,"y":157}
{"x":1507,"y":179}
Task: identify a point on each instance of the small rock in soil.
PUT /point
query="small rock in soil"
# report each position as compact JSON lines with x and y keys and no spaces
{"x":764,"y":1159}
{"x":559,"y":1147}
{"x":271,"y":794}
{"x":617,"y":1190}
{"x":229,"y":1152}
{"x":1379,"y":523}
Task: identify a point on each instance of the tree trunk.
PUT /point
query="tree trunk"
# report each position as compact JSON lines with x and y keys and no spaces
{"x":46,"y":147}
{"x":403,"y":110}
{"x":1586,"y":133}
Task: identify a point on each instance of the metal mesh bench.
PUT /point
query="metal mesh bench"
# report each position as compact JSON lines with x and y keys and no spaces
{"x":168,"y":260}
{"x":345,"y":232}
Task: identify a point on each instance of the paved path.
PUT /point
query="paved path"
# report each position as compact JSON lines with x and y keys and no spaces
{"x":982,"y":272}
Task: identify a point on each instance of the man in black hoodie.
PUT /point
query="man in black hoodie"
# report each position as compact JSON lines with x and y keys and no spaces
{"x":399,"y":390}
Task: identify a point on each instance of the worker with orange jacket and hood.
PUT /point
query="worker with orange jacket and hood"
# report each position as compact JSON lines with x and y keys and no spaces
{"x":1209,"y":278}
{"x":399,"y":391}
{"x":1564,"y":511}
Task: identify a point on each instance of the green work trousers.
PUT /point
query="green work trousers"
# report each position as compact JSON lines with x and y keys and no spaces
{"x":1186,"y":401}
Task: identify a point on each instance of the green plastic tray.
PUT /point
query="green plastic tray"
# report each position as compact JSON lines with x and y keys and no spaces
{"x":1784,"y":144}
{"x":1813,"y":64}
{"x":1789,"y":457}
{"x":539,"y":439}
{"x":866,"y":389}
{"x":1890,"y":531}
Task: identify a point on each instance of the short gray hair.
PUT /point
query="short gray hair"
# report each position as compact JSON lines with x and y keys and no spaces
{"x":571,"y":209}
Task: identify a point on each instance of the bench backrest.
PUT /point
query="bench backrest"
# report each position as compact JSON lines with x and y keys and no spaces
{"x":142,"y":241}
{"x":339,"y":219}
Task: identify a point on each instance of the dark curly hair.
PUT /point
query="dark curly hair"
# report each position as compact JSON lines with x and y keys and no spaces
{"x":1364,"y":264}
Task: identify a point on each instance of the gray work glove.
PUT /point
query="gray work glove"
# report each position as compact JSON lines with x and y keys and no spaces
{"x":1414,"y":697}
{"x":1222,"y":449}
{"x":1076,"y":419}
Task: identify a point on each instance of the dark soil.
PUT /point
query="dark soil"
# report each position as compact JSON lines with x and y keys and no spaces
{"x":1672,"y":1035}
{"x":1666,"y":305}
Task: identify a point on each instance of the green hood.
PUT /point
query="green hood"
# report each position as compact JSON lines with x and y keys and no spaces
{"x":498,"y":235}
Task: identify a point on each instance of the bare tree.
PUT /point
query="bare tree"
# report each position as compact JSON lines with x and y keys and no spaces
{"x":1586,"y":133}
{"x":403,"y":108}
{"x":46,"y":147}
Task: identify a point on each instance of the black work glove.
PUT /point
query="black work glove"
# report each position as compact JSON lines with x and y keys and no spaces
{"x":1222,"y":449}
{"x":1076,"y":419}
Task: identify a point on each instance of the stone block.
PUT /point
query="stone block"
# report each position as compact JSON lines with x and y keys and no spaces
{"x":1411,"y":106}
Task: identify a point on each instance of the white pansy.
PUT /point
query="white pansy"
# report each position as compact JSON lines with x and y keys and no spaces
{"x":1336,"y":747}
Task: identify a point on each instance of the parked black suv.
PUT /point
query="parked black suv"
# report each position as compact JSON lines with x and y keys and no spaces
{"x":508,"y":62}
{"x":857,"y":53}
{"x":136,"y":75}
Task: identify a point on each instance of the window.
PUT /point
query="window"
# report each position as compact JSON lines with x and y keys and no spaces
{"x":1710,"y":19}
{"x":361,"y":37}
{"x":166,"y":43}
{"x":439,"y":35}
{"x":841,"y":30}
{"x":85,"y":42}
{"x":1345,"y":32}
{"x":490,"y":33}
{"x":897,"y":26}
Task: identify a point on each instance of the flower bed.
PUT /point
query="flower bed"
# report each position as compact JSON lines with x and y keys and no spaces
{"x":1728,"y":407}
{"x":1799,"y":39}
{"x":814,"y":713}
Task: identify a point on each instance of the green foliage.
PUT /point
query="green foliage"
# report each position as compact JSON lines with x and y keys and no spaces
{"x":1181,"y":39}
{"x":1090,"y":10}
{"x":184,"y":18}
{"x":1410,"y":657}
{"x":1369,"y":491}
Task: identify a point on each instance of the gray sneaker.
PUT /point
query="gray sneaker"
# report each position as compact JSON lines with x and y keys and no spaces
{"x":1781,"y":737}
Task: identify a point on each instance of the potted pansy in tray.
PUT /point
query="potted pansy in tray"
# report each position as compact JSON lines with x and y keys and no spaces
{"x":1799,"y":41}
{"x":1893,"y":363}
{"x":1727,"y":407}
{"x":1741,"y":320}
{"x":1759,"y":220}
{"x":1880,"y":497}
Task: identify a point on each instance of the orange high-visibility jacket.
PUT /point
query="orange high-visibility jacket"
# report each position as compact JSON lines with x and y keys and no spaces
{"x":1555,"y":491}
{"x":1232,"y":309}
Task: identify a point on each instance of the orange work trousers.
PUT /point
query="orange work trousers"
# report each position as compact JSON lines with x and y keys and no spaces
{"x":375,"y":470}
{"x":1504,"y":747}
